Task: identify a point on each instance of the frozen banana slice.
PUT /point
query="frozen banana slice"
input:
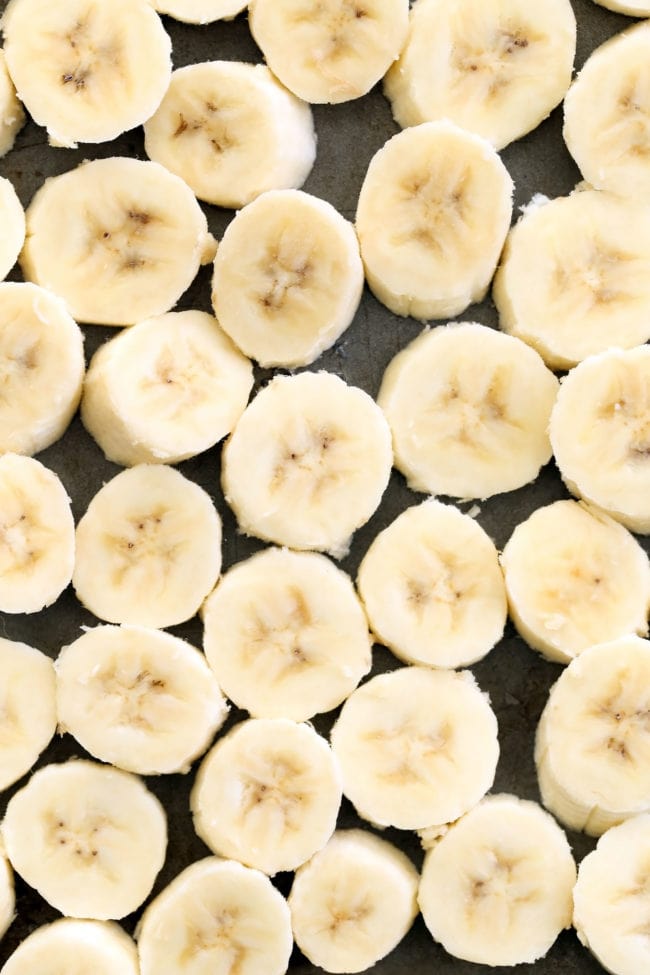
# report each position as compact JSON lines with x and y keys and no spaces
{"x":12,"y":116}
{"x":7,"y":894}
{"x":27,"y":710}
{"x":69,"y":946}
{"x":12,"y":227}
{"x":200,"y":11}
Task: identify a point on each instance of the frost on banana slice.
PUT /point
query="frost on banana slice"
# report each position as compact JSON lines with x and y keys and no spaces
{"x":469,"y":409}
{"x":90,"y":838}
{"x":148,"y":548}
{"x":321,"y":455}
{"x":288,"y":278}
{"x":286,"y":635}
{"x":7,"y":894}
{"x":267,"y":794}
{"x":27,"y":709}
{"x":132,"y":241}
{"x":432,"y":587}
{"x":137,"y":698}
{"x":496,"y":888}
{"x":417,"y":747}
{"x":12,"y":116}
{"x":232,"y":131}
{"x":200,"y":11}
{"x":12,"y":226}
{"x":165,"y":390}
{"x":74,"y":947}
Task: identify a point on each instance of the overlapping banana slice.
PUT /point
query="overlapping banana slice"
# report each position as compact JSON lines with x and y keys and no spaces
{"x":28,"y":715}
{"x":68,"y":946}
{"x":12,"y":227}
{"x":7,"y":894}
{"x":12,"y":116}
{"x":200,"y":11}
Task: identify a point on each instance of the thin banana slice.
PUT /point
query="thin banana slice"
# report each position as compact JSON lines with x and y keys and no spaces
{"x":12,"y":116}
{"x":12,"y":225}
{"x":288,"y":278}
{"x":27,"y":710}
{"x":148,"y":548}
{"x":267,"y":794}
{"x":231,"y":131}
{"x":7,"y":894}
{"x":417,"y":747}
{"x":307,"y":463}
{"x":200,"y":11}
{"x":90,"y":838}
{"x":72,"y":947}
{"x":133,"y":242}
{"x":165,"y":390}
{"x":137,"y":698}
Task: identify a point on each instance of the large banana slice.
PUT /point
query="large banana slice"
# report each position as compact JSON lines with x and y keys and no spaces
{"x":27,"y":708}
{"x":469,"y":409}
{"x":496,"y":888}
{"x":138,"y":698}
{"x":165,"y":390}
{"x":267,"y":794}
{"x":132,"y":241}
{"x":287,"y":278}
{"x":232,"y":131}
{"x":417,"y":747}
{"x":7,"y":894}
{"x":90,"y":838}
{"x":72,"y":947}
{"x":79,"y":67}
{"x":12,"y":116}
{"x":12,"y":224}
{"x":200,"y":11}
{"x":321,"y":454}
{"x":148,"y":548}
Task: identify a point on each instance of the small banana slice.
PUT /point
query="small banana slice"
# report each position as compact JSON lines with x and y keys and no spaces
{"x":267,"y":794}
{"x":137,"y":698}
{"x":321,"y":454}
{"x":148,"y":548}
{"x":496,"y":888}
{"x":165,"y":389}
{"x":72,"y":947}
{"x":469,"y":409}
{"x":132,"y":241}
{"x":635,"y":8}
{"x":12,"y":116}
{"x":288,"y":278}
{"x":200,"y":11}
{"x":7,"y":894}
{"x":231,"y":131}
{"x":90,"y":838}
{"x":417,"y":747}
{"x":27,"y":710}
{"x":12,"y":227}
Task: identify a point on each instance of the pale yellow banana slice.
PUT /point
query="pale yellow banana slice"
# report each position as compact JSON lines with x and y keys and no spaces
{"x":200,"y":11}
{"x":73,"y":947}
{"x":148,"y":548}
{"x":12,"y":227}
{"x":469,"y":409}
{"x":7,"y":894}
{"x":232,"y":131}
{"x":635,"y":8}
{"x":288,"y":278}
{"x":267,"y":794}
{"x":132,"y":241}
{"x":165,"y":390}
{"x":27,"y":709}
{"x":12,"y":116}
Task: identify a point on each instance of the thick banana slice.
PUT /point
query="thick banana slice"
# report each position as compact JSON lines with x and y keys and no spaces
{"x":165,"y":390}
{"x":267,"y":794}
{"x":496,"y":888}
{"x":7,"y":894}
{"x":27,"y":707}
{"x":90,"y":838}
{"x":72,"y":947}
{"x":574,"y":578}
{"x":417,"y":747}
{"x":132,"y":241}
{"x":288,"y":278}
{"x":321,"y":455}
{"x":12,"y":227}
{"x":148,"y":548}
{"x":12,"y":116}
{"x":200,"y":11}
{"x":286,"y":635}
{"x":78,"y":65}
{"x":138,"y":698}
{"x":469,"y":409}
{"x":231,"y":131}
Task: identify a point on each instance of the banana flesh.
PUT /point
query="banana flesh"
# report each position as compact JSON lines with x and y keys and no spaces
{"x":27,"y":707}
{"x":200,"y":11}
{"x":74,"y":947}
{"x":12,"y":116}
{"x":12,"y":221}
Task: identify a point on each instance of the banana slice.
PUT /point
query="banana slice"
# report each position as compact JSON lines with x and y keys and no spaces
{"x":7,"y":894}
{"x":231,"y":131}
{"x":78,"y":65}
{"x":12,"y":116}
{"x":165,"y":390}
{"x":496,"y":888}
{"x":417,"y":747}
{"x":133,"y":239}
{"x":574,"y":578}
{"x":469,"y":409}
{"x":72,"y":947}
{"x":267,"y":794}
{"x":28,"y":710}
{"x":321,"y":454}
{"x":635,"y":8}
{"x":90,"y":838}
{"x":148,"y":548}
{"x":288,"y":278}
{"x":200,"y":11}
{"x":353,"y":902}
{"x":138,"y":698}
{"x":286,"y":635}
{"x":12,"y":222}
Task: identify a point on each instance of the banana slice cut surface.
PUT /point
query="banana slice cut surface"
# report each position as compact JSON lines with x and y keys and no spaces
{"x":635,"y":8}
{"x":200,"y":11}
{"x":12,"y":116}
{"x":28,"y":709}
{"x":12,"y":221}
{"x":7,"y":894}
{"x":74,"y":947}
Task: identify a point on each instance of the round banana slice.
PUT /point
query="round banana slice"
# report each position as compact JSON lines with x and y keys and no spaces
{"x":68,"y":946}
{"x":12,"y":227}
{"x":200,"y":11}
{"x":469,"y":410}
{"x":496,"y":888}
{"x":137,"y":698}
{"x":12,"y":116}
{"x":28,"y":709}
{"x":321,"y":455}
{"x":90,"y":838}
{"x":267,"y":794}
{"x":417,"y":747}
{"x":232,"y":131}
{"x":574,"y":578}
{"x":7,"y":894}
{"x":286,"y":635}
{"x":165,"y":390}
{"x":635,"y":8}
{"x":148,"y":548}
{"x":134,"y":237}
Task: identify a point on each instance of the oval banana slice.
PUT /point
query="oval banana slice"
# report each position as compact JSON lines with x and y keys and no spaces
{"x":200,"y":11}
{"x":12,"y":116}
{"x":70,"y":945}
{"x":7,"y":894}
{"x":12,"y":226}
{"x":28,"y":709}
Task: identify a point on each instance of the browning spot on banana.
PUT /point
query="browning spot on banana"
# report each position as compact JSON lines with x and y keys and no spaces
{"x":279,"y":792}
{"x":132,"y":695}
{"x":213,"y":123}
{"x":496,"y":56}
{"x":285,"y":272}
{"x":309,"y":461}
{"x":141,"y":539}
{"x":81,"y":841}
{"x":352,"y":914}
{"x":216,"y":933}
